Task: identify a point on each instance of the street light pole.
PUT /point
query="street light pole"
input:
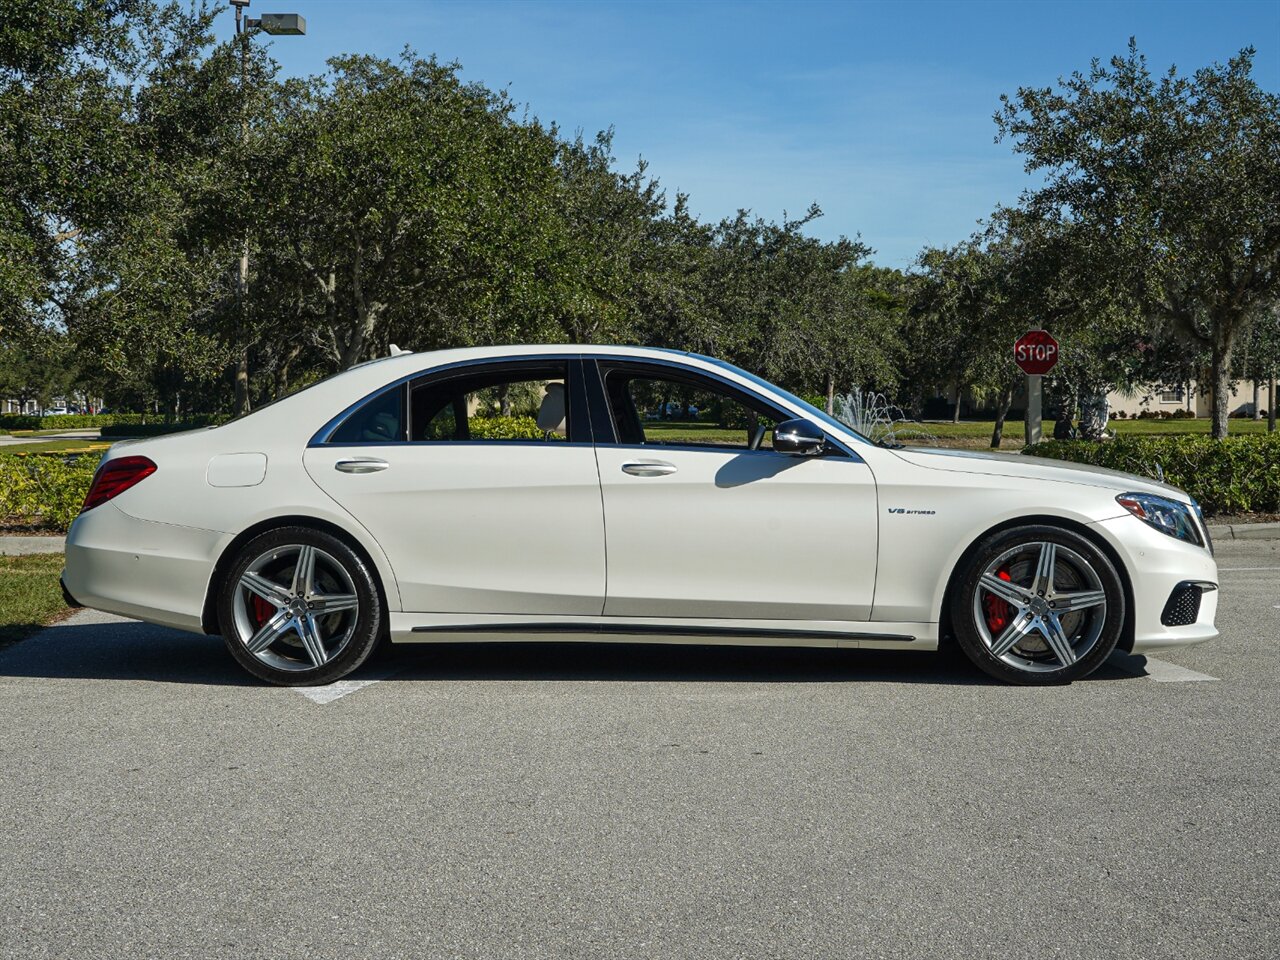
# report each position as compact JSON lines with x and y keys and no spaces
{"x":242,"y":281}
{"x":275,"y":24}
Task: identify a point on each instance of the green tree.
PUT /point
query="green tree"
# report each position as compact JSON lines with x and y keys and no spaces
{"x":35,"y":364}
{"x":414,"y":206}
{"x":1177,"y":178}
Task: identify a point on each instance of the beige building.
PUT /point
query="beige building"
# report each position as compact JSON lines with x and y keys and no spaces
{"x":1186,"y":396}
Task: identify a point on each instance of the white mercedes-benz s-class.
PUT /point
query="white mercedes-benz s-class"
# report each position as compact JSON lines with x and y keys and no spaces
{"x":554,"y":492}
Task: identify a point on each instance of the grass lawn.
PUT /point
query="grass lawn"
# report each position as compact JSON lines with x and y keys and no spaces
{"x":57,"y":446}
{"x":671,"y":431}
{"x":974,"y":434}
{"x":977,"y":433}
{"x":30,"y":596}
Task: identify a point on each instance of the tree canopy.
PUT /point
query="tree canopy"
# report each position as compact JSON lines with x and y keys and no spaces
{"x":389,"y":200}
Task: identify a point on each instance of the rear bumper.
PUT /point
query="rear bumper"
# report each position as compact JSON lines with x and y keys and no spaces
{"x":156,"y":572}
{"x":1157,"y":564}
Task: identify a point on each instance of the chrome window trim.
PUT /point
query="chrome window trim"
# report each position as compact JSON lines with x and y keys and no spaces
{"x":321,"y":437}
{"x":840,"y":444}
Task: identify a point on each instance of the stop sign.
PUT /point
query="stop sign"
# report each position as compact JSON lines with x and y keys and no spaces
{"x":1035,"y":352}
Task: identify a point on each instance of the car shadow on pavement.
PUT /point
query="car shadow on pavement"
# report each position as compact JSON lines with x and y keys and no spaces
{"x":638,"y":662}
{"x":137,"y":651}
{"x":126,"y":650}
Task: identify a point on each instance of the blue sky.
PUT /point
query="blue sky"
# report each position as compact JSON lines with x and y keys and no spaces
{"x":880,"y":112}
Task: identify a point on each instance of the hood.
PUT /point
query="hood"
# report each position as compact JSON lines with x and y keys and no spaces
{"x":1036,"y":468}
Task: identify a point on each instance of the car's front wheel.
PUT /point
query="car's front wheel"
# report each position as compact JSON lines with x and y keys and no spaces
{"x":299,"y":607}
{"x":1038,"y":605}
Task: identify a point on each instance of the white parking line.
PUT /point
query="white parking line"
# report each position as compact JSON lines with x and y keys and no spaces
{"x":1163,"y":672}
{"x":342,"y":688}
{"x":1157,"y":670}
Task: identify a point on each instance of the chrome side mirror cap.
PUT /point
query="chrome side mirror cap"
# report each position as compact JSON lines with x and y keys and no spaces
{"x":799,"y":438}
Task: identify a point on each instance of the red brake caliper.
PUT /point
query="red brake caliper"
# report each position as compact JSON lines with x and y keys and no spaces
{"x":262,"y":611}
{"x":997,"y":610}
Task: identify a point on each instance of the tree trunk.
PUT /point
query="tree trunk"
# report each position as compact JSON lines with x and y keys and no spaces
{"x":242,"y":383}
{"x":955,"y":412}
{"x":1257,"y":400}
{"x":1271,"y":403}
{"x":1006,"y":401}
{"x":1221,"y":386}
{"x":282,"y":371}
{"x":1094,"y":411}
{"x":366,"y":320}
{"x":831,"y":394}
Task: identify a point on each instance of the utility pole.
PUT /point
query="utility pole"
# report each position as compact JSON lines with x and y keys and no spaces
{"x":275,"y":24}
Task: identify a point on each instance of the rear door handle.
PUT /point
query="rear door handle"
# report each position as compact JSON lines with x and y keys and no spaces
{"x":361,"y":465}
{"x":649,"y":468}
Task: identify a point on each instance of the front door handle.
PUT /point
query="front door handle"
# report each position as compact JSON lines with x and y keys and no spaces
{"x":649,"y":468}
{"x":361,"y":465}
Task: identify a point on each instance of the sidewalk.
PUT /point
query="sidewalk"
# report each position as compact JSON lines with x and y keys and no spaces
{"x":1244,"y":531}
{"x":90,"y":433}
{"x":15,"y":546}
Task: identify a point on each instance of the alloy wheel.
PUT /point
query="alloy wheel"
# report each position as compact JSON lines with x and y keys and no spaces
{"x":295,"y":607}
{"x":1039,"y":607}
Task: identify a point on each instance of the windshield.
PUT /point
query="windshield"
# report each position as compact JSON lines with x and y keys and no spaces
{"x":821,"y":416}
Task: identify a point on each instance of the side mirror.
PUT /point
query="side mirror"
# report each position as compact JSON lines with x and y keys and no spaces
{"x":800,"y":438}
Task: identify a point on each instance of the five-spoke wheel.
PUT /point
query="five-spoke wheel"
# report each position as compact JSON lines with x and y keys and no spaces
{"x":300,"y":606}
{"x":1038,"y":605}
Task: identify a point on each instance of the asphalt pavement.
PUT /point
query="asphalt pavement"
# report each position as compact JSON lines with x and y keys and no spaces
{"x":617,"y":801}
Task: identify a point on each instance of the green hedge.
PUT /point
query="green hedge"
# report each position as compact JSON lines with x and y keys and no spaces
{"x":1236,"y":474}
{"x":66,"y":421}
{"x":84,"y":421}
{"x":138,"y":430}
{"x":503,"y":428}
{"x":43,"y":491}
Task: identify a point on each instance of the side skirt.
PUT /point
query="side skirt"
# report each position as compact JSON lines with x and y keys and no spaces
{"x":461,"y":628}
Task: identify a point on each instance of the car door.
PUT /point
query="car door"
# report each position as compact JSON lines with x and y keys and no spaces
{"x":705,"y":520}
{"x":480,"y":484}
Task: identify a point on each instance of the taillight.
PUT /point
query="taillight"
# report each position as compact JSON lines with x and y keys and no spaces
{"x":115,"y":477}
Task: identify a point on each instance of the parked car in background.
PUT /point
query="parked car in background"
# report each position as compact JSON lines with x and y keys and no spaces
{"x":509,"y":493}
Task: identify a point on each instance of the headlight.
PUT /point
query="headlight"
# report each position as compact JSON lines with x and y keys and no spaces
{"x":1167,"y":516}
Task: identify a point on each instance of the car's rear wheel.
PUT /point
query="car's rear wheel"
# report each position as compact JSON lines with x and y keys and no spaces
{"x":1038,"y":605}
{"x":299,"y":607}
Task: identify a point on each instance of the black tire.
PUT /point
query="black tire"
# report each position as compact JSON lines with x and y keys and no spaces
{"x":1092,"y":639}
{"x":362,"y":632}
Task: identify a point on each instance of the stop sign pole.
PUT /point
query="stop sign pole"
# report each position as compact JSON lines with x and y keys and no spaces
{"x":1035,"y":353}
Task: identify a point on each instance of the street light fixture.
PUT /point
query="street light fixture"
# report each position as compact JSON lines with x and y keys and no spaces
{"x":277,"y":25}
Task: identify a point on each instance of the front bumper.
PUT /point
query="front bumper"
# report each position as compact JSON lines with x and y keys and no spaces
{"x":150,"y":571}
{"x":1157,"y":565}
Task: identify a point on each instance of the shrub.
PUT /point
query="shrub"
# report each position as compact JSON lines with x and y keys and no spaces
{"x":818,"y":400}
{"x":139,"y":430}
{"x":504,"y":428}
{"x":43,"y":490}
{"x":1235,"y":474}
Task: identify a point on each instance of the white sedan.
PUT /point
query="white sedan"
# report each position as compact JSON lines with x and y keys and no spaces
{"x":511,"y":493}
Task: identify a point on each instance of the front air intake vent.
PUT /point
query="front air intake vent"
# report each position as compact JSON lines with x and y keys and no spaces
{"x":1183,"y":606}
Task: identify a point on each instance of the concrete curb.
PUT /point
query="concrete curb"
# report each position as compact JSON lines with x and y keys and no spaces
{"x":15,"y":546}
{"x":1245,"y":531}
